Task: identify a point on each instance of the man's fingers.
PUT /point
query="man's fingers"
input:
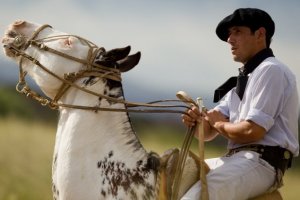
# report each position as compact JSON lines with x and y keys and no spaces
{"x":194,"y":113}
{"x":188,"y":121}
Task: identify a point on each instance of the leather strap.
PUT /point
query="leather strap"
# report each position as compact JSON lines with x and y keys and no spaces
{"x":280,"y":158}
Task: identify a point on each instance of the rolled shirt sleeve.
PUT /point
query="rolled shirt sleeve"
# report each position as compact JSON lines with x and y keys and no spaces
{"x":262,"y":119}
{"x":267,"y":97}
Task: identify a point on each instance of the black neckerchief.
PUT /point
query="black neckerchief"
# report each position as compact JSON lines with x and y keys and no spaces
{"x":240,"y":81}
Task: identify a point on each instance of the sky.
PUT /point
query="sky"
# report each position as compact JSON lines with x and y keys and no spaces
{"x":180,"y":50}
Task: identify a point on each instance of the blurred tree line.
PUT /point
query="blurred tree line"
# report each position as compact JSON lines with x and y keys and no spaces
{"x":13,"y":104}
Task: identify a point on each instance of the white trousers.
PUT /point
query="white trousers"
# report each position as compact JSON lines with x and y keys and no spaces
{"x":239,"y":177}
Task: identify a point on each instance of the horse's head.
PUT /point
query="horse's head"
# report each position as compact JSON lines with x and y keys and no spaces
{"x":59,"y":53}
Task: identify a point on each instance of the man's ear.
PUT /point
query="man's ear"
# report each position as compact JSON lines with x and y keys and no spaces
{"x":261,"y":33}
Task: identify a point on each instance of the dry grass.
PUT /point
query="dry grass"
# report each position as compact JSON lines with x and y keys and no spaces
{"x":25,"y":160}
{"x":26,"y":155}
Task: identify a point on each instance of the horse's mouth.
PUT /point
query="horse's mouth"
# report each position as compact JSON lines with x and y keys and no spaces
{"x":8,"y":51}
{"x":12,"y":44}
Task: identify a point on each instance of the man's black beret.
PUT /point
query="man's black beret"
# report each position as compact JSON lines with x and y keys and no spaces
{"x":251,"y":17}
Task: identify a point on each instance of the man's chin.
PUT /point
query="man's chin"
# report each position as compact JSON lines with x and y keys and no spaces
{"x":237,"y":59}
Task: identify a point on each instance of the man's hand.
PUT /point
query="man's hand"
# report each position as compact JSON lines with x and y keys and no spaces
{"x":215,"y":118}
{"x":194,"y":116}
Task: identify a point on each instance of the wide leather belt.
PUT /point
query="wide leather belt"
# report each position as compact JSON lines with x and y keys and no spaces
{"x":280,"y":158}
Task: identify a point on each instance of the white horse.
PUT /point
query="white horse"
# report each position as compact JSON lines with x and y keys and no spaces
{"x":97,"y":154}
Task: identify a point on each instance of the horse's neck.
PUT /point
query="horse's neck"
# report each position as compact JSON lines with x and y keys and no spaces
{"x":100,"y":151}
{"x":108,"y":132}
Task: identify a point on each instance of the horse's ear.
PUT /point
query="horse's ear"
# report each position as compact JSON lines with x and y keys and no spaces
{"x":117,"y":54}
{"x":129,"y":62}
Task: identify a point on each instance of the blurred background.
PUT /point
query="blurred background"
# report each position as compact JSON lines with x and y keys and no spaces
{"x":180,"y":51}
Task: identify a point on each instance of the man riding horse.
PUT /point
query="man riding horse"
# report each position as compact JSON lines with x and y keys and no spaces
{"x":258,"y":115}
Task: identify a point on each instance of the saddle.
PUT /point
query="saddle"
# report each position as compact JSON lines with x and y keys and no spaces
{"x":190,"y":176}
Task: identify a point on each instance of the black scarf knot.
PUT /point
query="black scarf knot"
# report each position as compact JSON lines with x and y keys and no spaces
{"x":240,"y":81}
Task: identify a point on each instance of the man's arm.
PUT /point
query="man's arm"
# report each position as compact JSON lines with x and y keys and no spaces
{"x":216,"y":123}
{"x":241,"y":132}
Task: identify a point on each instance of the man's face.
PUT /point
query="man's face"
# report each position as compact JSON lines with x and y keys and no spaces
{"x":243,"y":43}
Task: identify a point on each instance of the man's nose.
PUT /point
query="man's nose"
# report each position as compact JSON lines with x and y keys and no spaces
{"x":230,"y":39}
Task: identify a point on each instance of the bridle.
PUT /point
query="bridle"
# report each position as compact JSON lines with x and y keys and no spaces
{"x":20,"y":44}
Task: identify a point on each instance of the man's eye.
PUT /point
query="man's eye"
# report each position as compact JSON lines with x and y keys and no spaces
{"x":234,"y":32}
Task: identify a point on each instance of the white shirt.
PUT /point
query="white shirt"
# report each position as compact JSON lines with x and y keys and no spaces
{"x":271,"y":101}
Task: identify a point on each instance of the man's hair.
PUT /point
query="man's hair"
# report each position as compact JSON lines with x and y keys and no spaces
{"x":268,"y":37}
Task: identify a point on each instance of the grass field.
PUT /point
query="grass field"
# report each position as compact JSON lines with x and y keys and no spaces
{"x":26,"y":155}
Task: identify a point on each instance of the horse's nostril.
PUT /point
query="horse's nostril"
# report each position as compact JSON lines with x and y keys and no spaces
{"x":12,"y":34}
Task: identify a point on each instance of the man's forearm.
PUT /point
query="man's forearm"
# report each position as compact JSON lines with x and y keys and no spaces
{"x":242,"y":132}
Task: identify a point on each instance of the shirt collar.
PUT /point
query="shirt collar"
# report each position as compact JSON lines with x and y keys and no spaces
{"x":256,"y":60}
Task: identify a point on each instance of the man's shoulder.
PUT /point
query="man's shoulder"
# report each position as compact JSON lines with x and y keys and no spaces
{"x":272,"y":62}
{"x":273,"y":65}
